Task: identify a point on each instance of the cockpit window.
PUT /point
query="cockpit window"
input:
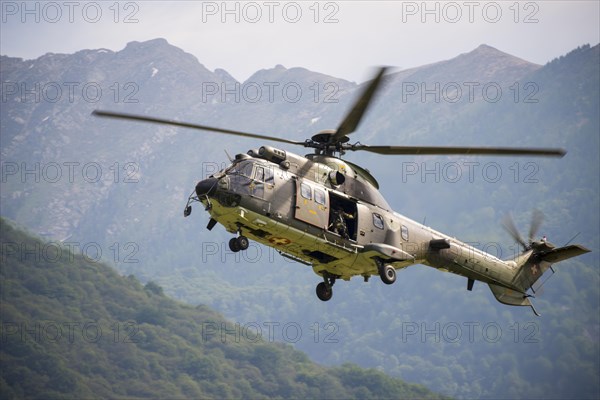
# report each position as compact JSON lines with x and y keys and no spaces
{"x":259,"y":175}
{"x":243,"y":168}
{"x":269,"y":175}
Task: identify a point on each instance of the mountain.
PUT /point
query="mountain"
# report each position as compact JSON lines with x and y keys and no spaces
{"x":483,"y":64}
{"x":72,"y":328}
{"x":116,"y":191}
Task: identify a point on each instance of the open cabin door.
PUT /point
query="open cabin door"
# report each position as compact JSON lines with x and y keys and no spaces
{"x":312,"y":204}
{"x":343,"y":216}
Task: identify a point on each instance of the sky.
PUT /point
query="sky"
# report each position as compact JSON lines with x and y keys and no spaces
{"x":339,"y":38}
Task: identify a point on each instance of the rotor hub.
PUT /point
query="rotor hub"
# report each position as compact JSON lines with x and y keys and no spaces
{"x":324,"y":136}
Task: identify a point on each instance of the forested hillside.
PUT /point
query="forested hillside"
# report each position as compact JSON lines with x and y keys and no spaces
{"x":73,"y":328}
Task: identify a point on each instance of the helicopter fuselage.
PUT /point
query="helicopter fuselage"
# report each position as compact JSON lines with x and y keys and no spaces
{"x":296,"y":205}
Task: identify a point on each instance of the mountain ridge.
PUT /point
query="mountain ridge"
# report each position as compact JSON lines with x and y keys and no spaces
{"x":162,"y":45}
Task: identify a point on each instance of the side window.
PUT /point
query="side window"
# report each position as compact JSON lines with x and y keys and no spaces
{"x":319,"y":196}
{"x":404,"y":233}
{"x":378,"y":221}
{"x":306,"y":191}
{"x":269,"y":175}
{"x":259,"y":175}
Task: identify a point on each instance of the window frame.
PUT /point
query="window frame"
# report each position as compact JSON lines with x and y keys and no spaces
{"x":320,"y":198}
{"x":258,"y":176}
{"x":303,"y":187}
{"x":380,"y":224}
{"x":404,"y":232}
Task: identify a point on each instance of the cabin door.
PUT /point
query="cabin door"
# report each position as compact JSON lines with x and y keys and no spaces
{"x":312,"y":204}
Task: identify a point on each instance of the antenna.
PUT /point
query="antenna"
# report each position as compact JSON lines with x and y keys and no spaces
{"x":573,"y":238}
{"x":540,"y":286}
{"x":228,"y":156}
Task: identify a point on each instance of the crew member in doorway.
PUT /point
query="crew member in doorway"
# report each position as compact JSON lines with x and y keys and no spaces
{"x":338,"y":221}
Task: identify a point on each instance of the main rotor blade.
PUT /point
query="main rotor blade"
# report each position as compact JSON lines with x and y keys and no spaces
{"x":352,"y":119}
{"x":435,"y":150}
{"x":510,"y":227}
{"x":142,"y":118}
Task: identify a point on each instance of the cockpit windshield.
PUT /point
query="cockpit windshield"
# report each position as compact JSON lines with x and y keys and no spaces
{"x":247,"y":177}
{"x":243,"y":168}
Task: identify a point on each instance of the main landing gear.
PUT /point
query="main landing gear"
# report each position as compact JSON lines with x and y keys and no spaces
{"x":324,"y":289}
{"x":239,"y":243}
{"x":387,"y":273}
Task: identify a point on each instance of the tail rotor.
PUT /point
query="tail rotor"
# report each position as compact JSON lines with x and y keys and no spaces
{"x":537,"y":217}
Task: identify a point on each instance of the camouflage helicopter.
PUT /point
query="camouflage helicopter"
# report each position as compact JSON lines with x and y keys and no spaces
{"x":327,"y":213}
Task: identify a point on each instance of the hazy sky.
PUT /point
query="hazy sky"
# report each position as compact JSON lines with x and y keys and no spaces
{"x":340,"y":38}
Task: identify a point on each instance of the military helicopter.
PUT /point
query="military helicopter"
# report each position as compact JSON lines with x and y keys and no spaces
{"x":327,"y":213}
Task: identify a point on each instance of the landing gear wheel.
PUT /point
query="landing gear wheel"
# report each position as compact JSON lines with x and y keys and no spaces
{"x":387,"y":274}
{"x":243,"y":242}
{"x":324,"y":291}
{"x":234,"y":245}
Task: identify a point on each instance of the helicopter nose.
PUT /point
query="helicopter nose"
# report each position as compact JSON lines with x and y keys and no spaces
{"x":207,"y":187}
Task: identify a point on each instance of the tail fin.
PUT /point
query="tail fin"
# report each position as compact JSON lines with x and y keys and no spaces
{"x":531,"y":265}
{"x":539,"y":261}
{"x":511,"y":297}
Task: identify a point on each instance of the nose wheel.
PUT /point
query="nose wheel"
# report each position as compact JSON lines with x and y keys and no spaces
{"x":239,"y":243}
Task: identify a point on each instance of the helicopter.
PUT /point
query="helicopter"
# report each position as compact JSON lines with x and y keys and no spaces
{"x":327,"y":213}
